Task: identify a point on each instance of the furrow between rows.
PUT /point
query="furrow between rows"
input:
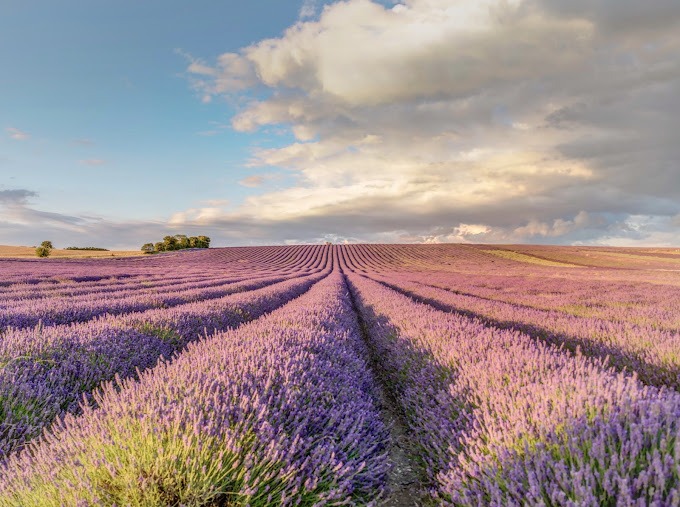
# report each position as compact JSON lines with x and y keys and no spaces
{"x":45,"y":375}
{"x":404,"y":479}
{"x":503,"y":420}
{"x":56,"y":311}
{"x":278,"y":412}
{"x":651,"y":354}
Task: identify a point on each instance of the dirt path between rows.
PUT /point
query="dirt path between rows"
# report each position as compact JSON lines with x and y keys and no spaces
{"x":404,"y":484}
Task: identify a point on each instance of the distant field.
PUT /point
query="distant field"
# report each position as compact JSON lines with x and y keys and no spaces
{"x":609,"y":257}
{"x":531,"y":259}
{"x":443,"y":374}
{"x":28,"y":251}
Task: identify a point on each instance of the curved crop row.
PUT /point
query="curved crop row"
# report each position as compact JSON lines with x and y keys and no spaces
{"x":504,"y":420}
{"x":54,"y":311}
{"x":110,"y":288}
{"x":278,"y":412}
{"x":232,"y":262}
{"x":170,"y":282}
{"x":651,"y":353}
{"x":638,"y":303}
{"x":45,"y":373}
{"x":65,"y":310}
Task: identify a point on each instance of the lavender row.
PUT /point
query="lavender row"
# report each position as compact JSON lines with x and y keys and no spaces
{"x":133,"y":288}
{"x":232,"y":261}
{"x":108,"y":286}
{"x":278,"y":412}
{"x":45,"y":373}
{"x":651,"y":353}
{"x":647,"y":304}
{"x":14,"y":300}
{"x":55,"y":311}
{"x":640,"y":297}
{"x":504,"y":420}
{"x":34,"y":271}
{"x":21,"y":314}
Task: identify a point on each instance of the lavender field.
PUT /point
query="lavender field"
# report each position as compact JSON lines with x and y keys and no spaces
{"x":342,"y":375}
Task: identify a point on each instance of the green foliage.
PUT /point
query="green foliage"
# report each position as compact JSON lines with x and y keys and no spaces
{"x":44,"y":250}
{"x":181,"y":241}
{"x":89,"y":248}
{"x":203,"y":242}
{"x":177,"y":242}
{"x":166,"y":334}
{"x":170,"y":243}
{"x":41,"y":251}
{"x":148,"y":248}
{"x":147,"y":463}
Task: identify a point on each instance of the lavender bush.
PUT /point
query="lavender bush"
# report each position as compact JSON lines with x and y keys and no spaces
{"x":278,"y":412}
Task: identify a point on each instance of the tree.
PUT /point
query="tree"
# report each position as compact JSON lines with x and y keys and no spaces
{"x":45,"y":249}
{"x":177,"y":242}
{"x":182,"y":241}
{"x":170,"y":243}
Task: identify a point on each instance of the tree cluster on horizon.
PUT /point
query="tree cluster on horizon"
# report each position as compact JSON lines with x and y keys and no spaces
{"x":89,"y":248}
{"x":177,"y":242}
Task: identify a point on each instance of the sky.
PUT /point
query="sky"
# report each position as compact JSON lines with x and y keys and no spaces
{"x":272,"y":122}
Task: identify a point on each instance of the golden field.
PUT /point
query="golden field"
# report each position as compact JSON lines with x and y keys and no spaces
{"x":29,"y":251}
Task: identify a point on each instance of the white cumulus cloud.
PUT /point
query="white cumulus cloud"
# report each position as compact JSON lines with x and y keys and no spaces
{"x":496,"y":120}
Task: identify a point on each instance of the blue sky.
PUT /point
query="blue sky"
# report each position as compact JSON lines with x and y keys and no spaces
{"x":262,"y":122}
{"x":114,"y":129}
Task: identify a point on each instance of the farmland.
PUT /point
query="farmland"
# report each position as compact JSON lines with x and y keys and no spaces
{"x":353,"y":374}
{"x":29,"y":251}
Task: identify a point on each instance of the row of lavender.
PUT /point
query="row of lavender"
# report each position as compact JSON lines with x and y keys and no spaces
{"x":53,"y":273}
{"x":113,"y":287}
{"x":54,"y":308}
{"x":280,"y":412}
{"x":43,"y":274}
{"x":176,"y":273}
{"x":602,"y":293}
{"x":648,"y":350}
{"x":46,"y":370}
{"x":653,"y":354}
{"x":501,"y":419}
{"x":64,"y":310}
{"x":649,"y":304}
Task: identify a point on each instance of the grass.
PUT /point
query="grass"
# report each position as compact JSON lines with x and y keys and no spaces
{"x":530,"y":259}
{"x":7,"y":251}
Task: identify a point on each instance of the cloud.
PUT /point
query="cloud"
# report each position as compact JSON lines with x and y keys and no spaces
{"x":231,"y":73}
{"x":252,"y":181}
{"x":16,"y":134}
{"x":196,"y":216}
{"x":534,"y":120}
{"x":93,"y":162}
{"x":216,"y":202}
{"x":17,"y":212}
{"x":307,"y":9}
{"x":21,"y":223}
{"x":16,"y":196}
